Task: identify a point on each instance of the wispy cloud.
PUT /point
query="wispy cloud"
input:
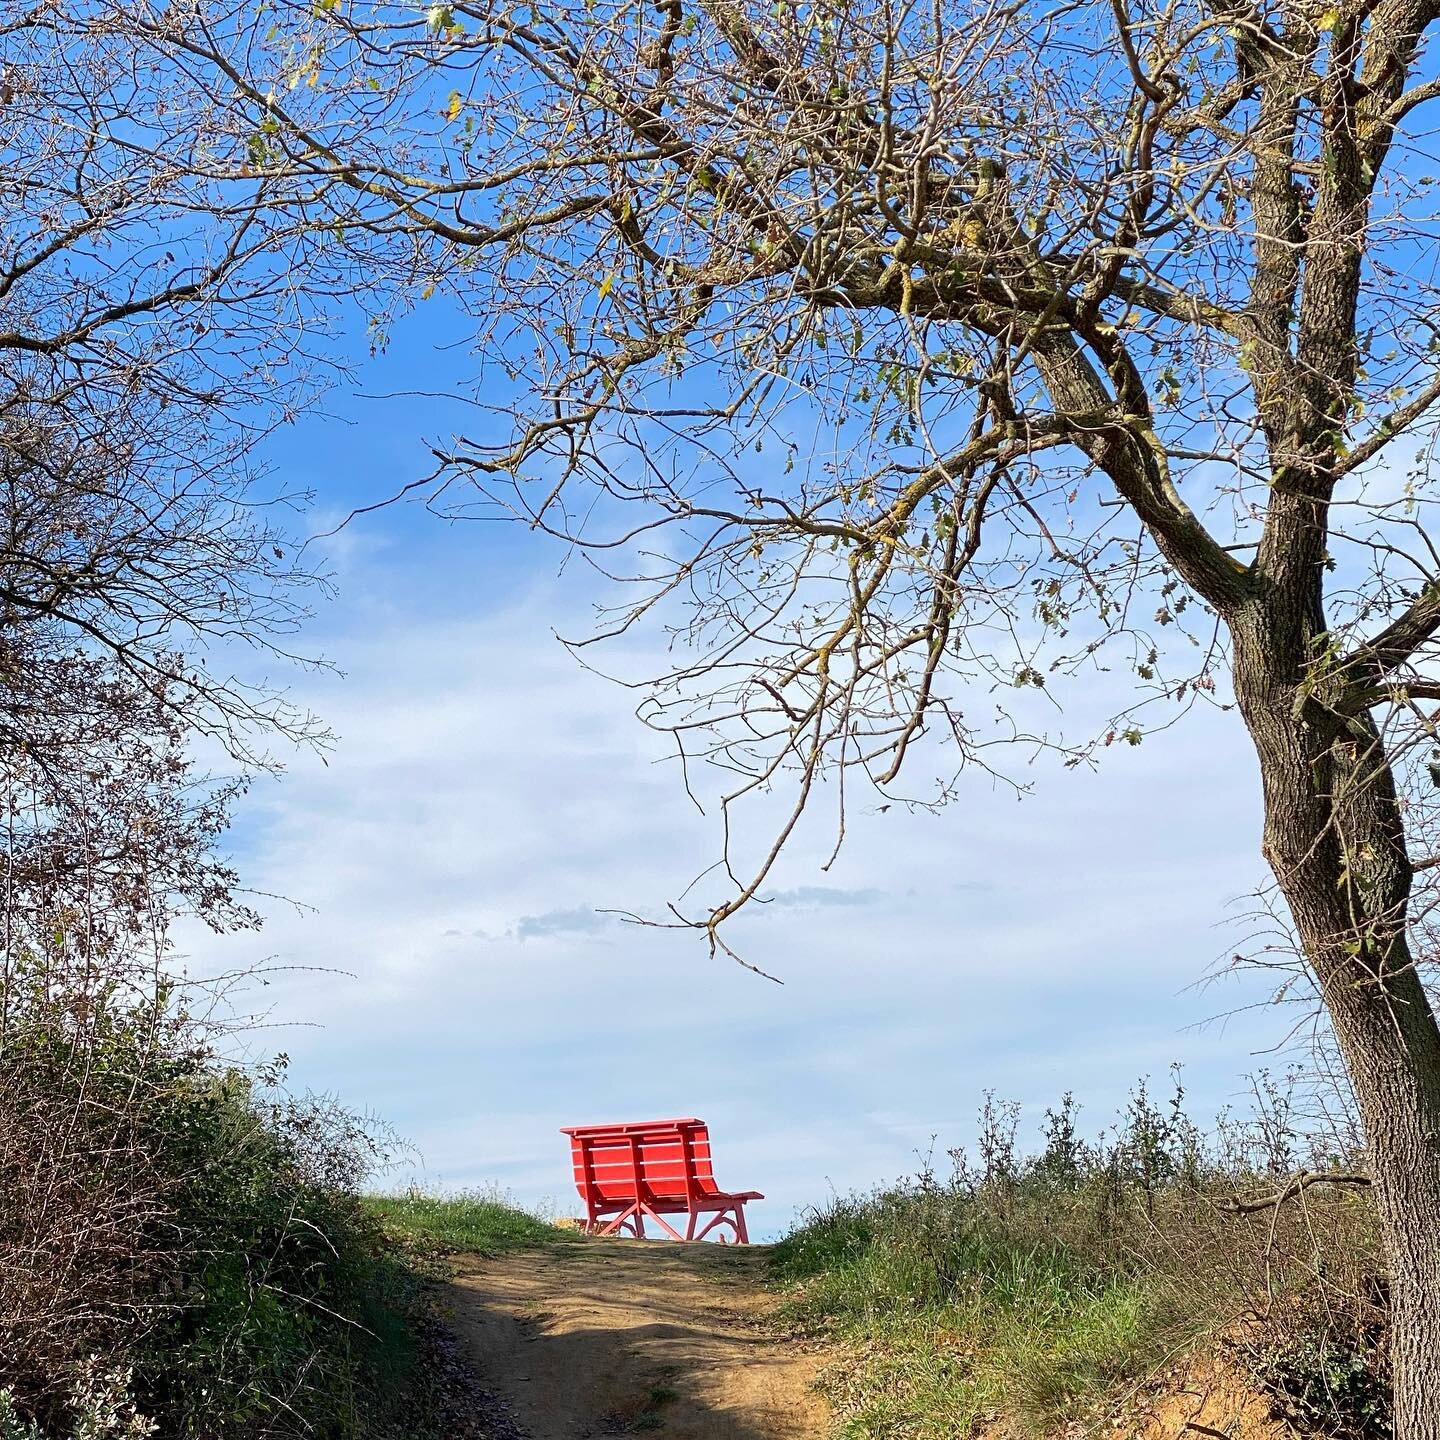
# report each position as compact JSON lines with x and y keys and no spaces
{"x":578,"y":921}
{"x":823,"y":897}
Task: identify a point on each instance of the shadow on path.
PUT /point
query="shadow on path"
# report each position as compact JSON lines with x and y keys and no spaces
{"x":603,"y":1338}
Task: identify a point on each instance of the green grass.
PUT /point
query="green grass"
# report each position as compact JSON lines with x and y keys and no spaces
{"x":1039,"y":1292}
{"x":469,"y":1222}
{"x":949,"y":1316}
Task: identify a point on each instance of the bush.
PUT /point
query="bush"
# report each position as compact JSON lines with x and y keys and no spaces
{"x":1330,"y":1374}
{"x":102,"y":1410}
{"x":185,"y":1227}
{"x":87,"y":1265}
{"x":1031,"y":1288}
{"x":290,"y":1318}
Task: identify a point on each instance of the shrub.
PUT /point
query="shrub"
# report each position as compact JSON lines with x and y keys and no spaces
{"x":102,"y":1411}
{"x":86,"y":1267}
{"x":1329,"y":1373}
{"x":188,"y":1227}
{"x":1030,"y":1288}
{"x":290,"y":1317}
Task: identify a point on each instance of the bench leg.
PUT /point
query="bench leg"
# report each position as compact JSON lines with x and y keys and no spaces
{"x":742,"y":1235}
{"x":630,"y":1217}
{"x":665,"y":1225}
{"x":632,"y":1222}
{"x":734,"y":1217}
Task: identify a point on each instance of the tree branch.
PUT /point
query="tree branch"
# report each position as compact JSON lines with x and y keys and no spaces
{"x":1303,"y":1181}
{"x":1390,"y":427}
{"x":1396,"y":644}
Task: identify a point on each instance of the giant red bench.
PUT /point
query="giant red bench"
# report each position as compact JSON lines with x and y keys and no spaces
{"x":652,"y":1168}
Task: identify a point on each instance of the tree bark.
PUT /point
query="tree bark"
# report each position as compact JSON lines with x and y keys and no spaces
{"x":1334,"y":839}
{"x":1393,"y":1055}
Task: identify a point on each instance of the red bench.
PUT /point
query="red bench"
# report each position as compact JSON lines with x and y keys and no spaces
{"x":655,"y":1168}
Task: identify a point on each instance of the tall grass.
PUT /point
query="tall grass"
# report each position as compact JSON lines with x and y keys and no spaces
{"x":1037,"y":1289}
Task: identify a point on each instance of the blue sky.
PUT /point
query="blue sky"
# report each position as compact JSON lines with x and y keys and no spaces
{"x":446,"y":965}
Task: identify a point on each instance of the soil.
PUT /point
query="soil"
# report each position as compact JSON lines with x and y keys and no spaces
{"x":1205,"y":1398}
{"x":629,"y":1336}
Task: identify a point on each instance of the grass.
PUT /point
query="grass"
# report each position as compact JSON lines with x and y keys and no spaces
{"x":468,"y":1223}
{"x":1037,"y":1292}
{"x":948,"y":1319}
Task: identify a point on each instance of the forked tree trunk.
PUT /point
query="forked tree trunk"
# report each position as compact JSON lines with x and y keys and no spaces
{"x":1335,"y":840}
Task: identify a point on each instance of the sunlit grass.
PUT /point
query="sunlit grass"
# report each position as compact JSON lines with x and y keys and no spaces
{"x":948,"y":1319}
{"x":466,"y":1222}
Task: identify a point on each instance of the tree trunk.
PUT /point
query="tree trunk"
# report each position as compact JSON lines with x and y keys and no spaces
{"x":1393,"y":1057}
{"x":1334,"y":839}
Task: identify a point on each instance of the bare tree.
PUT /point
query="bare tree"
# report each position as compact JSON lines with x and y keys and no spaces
{"x":907,"y":353}
{"x":158,"y":317}
{"x":154,"y":326}
{"x":108,"y":829}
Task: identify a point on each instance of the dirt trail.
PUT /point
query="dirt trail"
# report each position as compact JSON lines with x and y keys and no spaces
{"x":619,"y":1337}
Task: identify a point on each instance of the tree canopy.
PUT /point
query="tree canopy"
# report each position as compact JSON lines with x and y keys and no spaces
{"x":904,"y":353}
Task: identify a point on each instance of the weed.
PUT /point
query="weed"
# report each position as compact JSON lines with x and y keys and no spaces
{"x":1030,"y":1289}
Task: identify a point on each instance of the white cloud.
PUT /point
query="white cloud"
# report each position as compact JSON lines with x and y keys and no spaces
{"x":819,"y":897}
{"x":489,"y":799}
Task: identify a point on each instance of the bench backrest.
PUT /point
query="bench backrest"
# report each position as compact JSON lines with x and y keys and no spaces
{"x":647,"y":1159}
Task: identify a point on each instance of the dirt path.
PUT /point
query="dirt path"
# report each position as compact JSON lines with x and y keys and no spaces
{"x":620,"y":1337}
